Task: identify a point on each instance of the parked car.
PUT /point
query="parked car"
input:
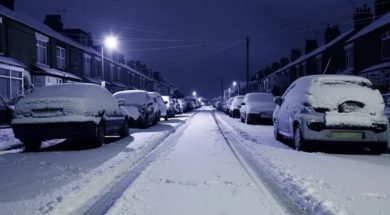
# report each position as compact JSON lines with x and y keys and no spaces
{"x":183,"y":105}
{"x":234,"y":109}
{"x":159,"y":105}
{"x":386,"y":98}
{"x":190,"y":104}
{"x":332,"y":108}
{"x":139,"y":107}
{"x":68,"y":111}
{"x":257,"y":107}
{"x":170,"y":106}
{"x":177,"y":107}
{"x":227,"y":105}
{"x":5,"y":113}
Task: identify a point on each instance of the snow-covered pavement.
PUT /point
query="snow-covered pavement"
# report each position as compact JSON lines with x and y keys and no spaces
{"x":199,"y":175}
{"x":329,"y":183}
{"x":37,"y":182}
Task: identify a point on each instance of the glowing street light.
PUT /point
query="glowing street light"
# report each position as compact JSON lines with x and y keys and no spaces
{"x":194,"y":94}
{"x":234,"y":84}
{"x":111,"y":43}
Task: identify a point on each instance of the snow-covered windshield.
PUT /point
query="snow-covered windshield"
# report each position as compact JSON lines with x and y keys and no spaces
{"x":260,"y":97}
{"x":136,"y":98}
{"x":330,"y":94}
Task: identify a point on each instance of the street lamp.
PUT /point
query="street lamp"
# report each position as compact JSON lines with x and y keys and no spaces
{"x":237,"y":87}
{"x":111,"y":43}
{"x":234,"y":84}
{"x":194,"y":94}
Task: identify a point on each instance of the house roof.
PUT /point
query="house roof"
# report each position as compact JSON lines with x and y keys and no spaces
{"x":377,"y":67}
{"x":44,"y":29}
{"x":10,"y":61}
{"x":315,"y":52}
{"x":384,"y":20}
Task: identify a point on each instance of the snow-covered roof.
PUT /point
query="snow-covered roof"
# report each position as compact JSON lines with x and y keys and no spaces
{"x":315,"y":52}
{"x":384,"y":20}
{"x":10,"y":61}
{"x":376,"y":67}
{"x":44,"y":29}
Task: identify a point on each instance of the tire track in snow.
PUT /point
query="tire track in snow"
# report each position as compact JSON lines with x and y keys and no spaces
{"x":256,"y":172}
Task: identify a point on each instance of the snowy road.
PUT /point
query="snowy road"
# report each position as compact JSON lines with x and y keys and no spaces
{"x":329,"y":182}
{"x":40,"y":181}
{"x":199,"y":175}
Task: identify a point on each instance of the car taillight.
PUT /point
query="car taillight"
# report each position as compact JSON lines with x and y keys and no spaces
{"x":316,"y":125}
{"x":380,"y":127}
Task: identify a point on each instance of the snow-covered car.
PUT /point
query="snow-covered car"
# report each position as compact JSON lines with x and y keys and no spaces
{"x":170,"y":106}
{"x":332,"y":108}
{"x":386,"y":98}
{"x":227,"y":105}
{"x":159,"y":105}
{"x":183,"y":105}
{"x":257,"y":107}
{"x":139,"y":107}
{"x":68,"y":111}
{"x":234,"y":109}
{"x":5,"y":113}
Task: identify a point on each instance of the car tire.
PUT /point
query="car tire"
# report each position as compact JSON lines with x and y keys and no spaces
{"x":146,"y":121}
{"x":98,"y":139}
{"x":247,"y":120}
{"x":299,"y":142}
{"x":277,"y":135}
{"x":32,"y":145}
{"x":124,"y":131}
{"x":379,"y":149}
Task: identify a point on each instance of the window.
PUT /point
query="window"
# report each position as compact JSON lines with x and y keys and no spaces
{"x":98,"y":67}
{"x":349,"y":57}
{"x":87,"y":65}
{"x":41,"y":81}
{"x":60,"y":57}
{"x":319,"y":64}
{"x":386,"y":45}
{"x":11,"y":82}
{"x":41,"y":48}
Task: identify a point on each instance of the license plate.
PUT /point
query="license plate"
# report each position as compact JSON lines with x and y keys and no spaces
{"x":347,"y":135}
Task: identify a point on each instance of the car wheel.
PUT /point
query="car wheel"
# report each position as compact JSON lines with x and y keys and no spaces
{"x":146,"y":121}
{"x":158,"y":117}
{"x":124,"y":131}
{"x":378,"y":149}
{"x":32,"y":145}
{"x":98,"y":139}
{"x":277,"y":135}
{"x":299,"y":142}
{"x":247,"y":119}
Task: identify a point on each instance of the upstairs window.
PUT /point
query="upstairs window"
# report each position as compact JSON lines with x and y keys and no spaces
{"x":349,"y":57}
{"x":87,"y":65}
{"x":41,"y":48}
{"x":60,"y":52}
{"x":386,"y":46}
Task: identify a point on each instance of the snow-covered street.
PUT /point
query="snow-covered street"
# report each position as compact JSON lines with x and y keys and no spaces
{"x":200,"y":163}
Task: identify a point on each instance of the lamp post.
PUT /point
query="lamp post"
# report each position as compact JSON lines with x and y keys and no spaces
{"x":230,"y":92}
{"x":237,"y":87}
{"x":111,"y":43}
{"x":194,"y":94}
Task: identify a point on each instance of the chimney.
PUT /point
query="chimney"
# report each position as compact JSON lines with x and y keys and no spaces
{"x":310,"y":45}
{"x":362,"y":17}
{"x":295,"y":54}
{"x":331,"y":33}
{"x":381,"y":8}
{"x":54,"y":22}
{"x":10,"y":4}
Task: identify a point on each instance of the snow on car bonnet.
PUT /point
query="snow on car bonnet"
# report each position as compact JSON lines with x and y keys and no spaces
{"x":345,"y":99}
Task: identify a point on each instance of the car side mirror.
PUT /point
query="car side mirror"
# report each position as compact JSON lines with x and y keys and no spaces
{"x":242,"y":104}
{"x":165,"y":102}
{"x":150,"y":103}
{"x":279,"y":100}
{"x":121,"y":102}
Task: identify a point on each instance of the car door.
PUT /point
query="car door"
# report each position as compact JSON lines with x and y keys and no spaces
{"x":286,"y":109}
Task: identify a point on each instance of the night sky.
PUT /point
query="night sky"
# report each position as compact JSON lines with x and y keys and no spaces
{"x":196,"y":43}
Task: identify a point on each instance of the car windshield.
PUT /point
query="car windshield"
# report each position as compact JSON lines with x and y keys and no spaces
{"x":261,"y":98}
{"x":132,"y":98}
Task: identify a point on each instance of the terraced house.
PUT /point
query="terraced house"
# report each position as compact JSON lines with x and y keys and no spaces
{"x":35,"y":54}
